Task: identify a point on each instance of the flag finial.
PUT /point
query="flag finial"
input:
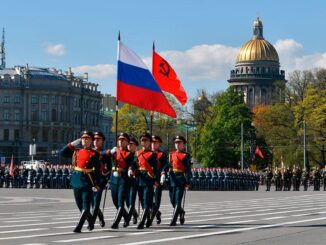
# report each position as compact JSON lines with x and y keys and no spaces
{"x":153,"y":45}
{"x":119,"y":36}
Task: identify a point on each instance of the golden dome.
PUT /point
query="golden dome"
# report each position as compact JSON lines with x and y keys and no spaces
{"x":257,"y":49}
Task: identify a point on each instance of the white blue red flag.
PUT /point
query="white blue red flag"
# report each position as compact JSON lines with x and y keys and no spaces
{"x":137,"y":86}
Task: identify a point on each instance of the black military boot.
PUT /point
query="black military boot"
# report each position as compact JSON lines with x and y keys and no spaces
{"x":91,"y":221}
{"x":81,"y":221}
{"x":182,"y":216}
{"x":117,"y":219}
{"x":158,"y":217}
{"x":143,"y":218}
{"x":101,"y":218}
{"x":149,"y":219}
{"x":126,"y":217}
{"x":175,"y":216}
{"x":135,"y":216}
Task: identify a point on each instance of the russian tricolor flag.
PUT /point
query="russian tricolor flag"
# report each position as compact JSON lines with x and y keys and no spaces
{"x":137,"y":86}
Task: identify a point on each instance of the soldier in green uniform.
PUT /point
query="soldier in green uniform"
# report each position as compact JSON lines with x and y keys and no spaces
{"x":278,"y":179}
{"x":324,"y":178}
{"x":105,"y":168}
{"x":148,"y":177}
{"x":133,"y":185}
{"x":123,"y":159}
{"x":162,"y":161}
{"x":84,"y":177}
{"x":305,"y":179}
{"x":269,"y":177}
{"x":316,"y":176}
{"x":180,"y":173}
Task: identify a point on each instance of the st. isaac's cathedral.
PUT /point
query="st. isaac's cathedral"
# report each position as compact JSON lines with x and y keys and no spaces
{"x":257,"y":71}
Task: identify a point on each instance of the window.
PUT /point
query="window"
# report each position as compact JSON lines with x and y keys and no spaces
{"x":6,"y":99}
{"x":44,"y":99}
{"x":34,"y":114}
{"x":17,"y":99}
{"x":54,"y":115}
{"x":6,"y":134}
{"x":55,"y":135}
{"x":16,"y":134}
{"x":44,"y":115}
{"x":34,"y":99}
{"x":45,"y":135}
{"x":17,"y":115}
{"x":6,"y":115}
{"x":54,"y":100}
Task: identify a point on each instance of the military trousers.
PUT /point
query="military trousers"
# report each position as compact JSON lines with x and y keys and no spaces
{"x":118,"y":194}
{"x":176,"y":195}
{"x":83,"y":198}
{"x":146,"y":196}
{"x":157,"y":197}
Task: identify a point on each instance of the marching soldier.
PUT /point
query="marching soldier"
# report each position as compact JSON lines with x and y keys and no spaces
{"x":148,"y":177}
{"x":180,"y":173}
{"x":162,"y":161}
{"x":84,"y":178}
{"x":133,"y":185}
{"x":123,"y":160}
{"x":105,"y":167}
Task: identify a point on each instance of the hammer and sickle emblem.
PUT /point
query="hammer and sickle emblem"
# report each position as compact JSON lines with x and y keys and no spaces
{"x":164,"y":69}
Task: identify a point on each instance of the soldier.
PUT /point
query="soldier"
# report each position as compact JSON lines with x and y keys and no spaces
{"x":324,"y":178}
{"x":38,"y":177}
{"x":123,"y":160}
{"x":305,"y":179}
{"x":45,"y":177}
{"x":162,"y":161}
{"x":32,"y":177}
{"x":133,"y":186}
{"x":105,"y":168}
{"x":15,"y":180}
{"x":58,"y":177}
{"x":278,"y":179}
{"x":84,"y":178}
{"x":180,"y":173}
{"x":195,"y":179}
{"x":2,"y":174}
{"x":65,"y":177}
{"x":52,"y":177}
{"x":148,"y":177}
{"x":316,"y":176}
{"x":297,"y":179}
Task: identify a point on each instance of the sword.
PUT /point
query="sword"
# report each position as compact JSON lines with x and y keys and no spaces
{"x":184,"y":199}
{"x":106,"y":190}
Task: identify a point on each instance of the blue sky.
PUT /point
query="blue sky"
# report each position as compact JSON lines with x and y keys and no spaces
{"x":199,"y":38}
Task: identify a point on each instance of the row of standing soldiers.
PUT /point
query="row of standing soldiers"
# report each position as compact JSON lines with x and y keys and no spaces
{"x":284,"y":180}
{"x":53,"y":177}
{"x":58,"y":177}
{"x":129,"y":172}
{"x":224,"y":179}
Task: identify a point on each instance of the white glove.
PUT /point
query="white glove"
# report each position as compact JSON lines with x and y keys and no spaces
{"x":76,"y":142}
{"x":113,"y":150}
{"x":162,"y":179}
{"x":130,"y":173}
{"x":94,"y":189}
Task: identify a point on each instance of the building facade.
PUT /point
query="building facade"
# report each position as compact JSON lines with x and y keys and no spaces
{"x":257,"y":73}
{"x":44,"y":106}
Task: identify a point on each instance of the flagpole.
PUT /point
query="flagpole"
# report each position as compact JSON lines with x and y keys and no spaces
{"x":116,"y":98}
{"x":151,"y":113}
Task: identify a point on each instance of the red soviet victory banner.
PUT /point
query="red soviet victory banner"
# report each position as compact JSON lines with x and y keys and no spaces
{"x":167,"y":79}
{"x":259,"y":153}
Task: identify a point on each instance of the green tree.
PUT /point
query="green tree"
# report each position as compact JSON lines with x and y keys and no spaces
{"x":220,"y":137}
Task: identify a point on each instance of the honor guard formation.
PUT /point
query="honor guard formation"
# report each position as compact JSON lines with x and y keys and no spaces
{"x":140,"y":168}
{"x":129,"y":173}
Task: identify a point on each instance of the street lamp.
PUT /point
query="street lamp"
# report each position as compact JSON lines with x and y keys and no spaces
{"x":32,"y":150}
